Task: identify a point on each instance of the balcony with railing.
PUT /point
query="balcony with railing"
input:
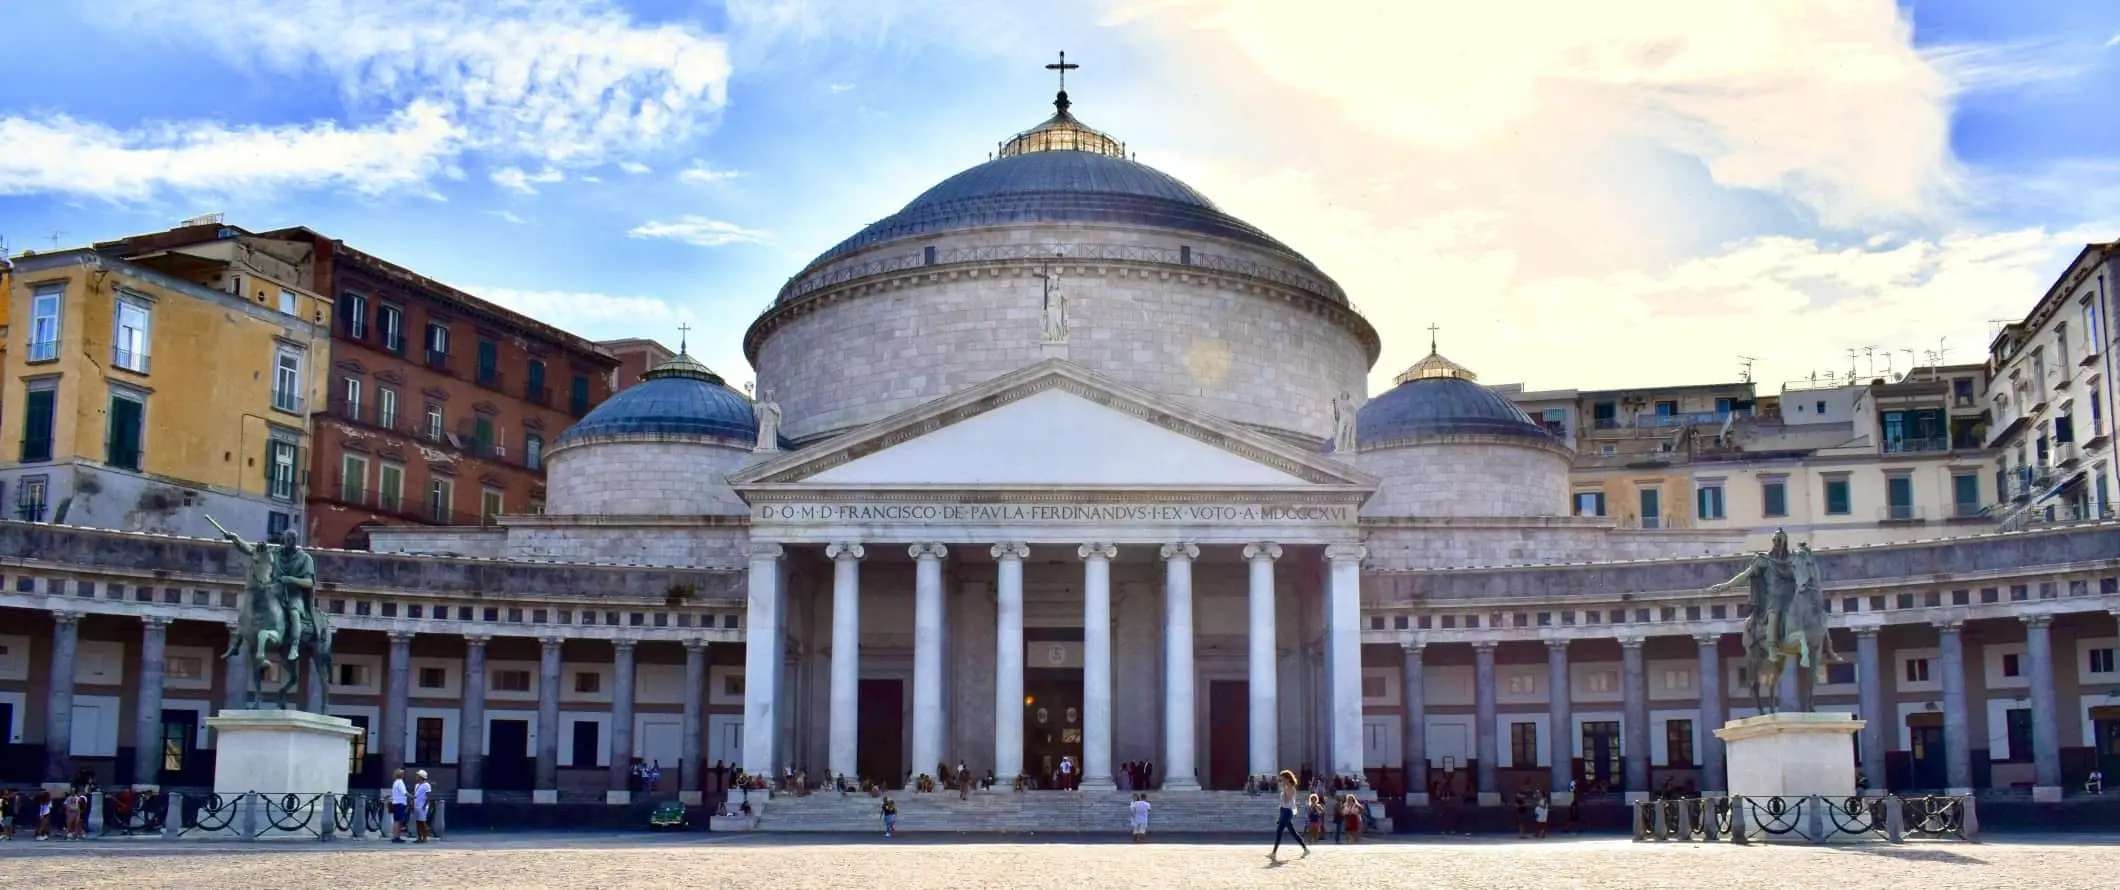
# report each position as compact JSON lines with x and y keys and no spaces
{"x":493,"y":379}
{"x":369,"y":414}
{"x":30,"y":511}
{"x":127,"y":360}
{"x":1917,"y":445}
{"x":43,"y":351}
{"x":537,"y":395}
{"x":396,"y":504}
{"x":438,"y":360}
{"x":1900,"y":513}
{"x":1967,"y":510}
{"x":287,"y":400}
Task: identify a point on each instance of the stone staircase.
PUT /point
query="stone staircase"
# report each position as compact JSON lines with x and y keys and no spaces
{"x":1011,"y":812}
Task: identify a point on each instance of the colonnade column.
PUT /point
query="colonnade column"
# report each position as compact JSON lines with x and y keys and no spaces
{"x":147,"y":724}
{"x":844,"y":746}
{"x":315,"y":690}
{"x":547,"y":788}
{"x":1869,"y":698}
{"x":1097,"y":665}
{"x":1265,"y":684}
{"x":1485,"y":745}
{"x":761,"y":659}
{"x":927,"y":653}
{"x":235,"y":687}
{"x":2046,"y":718}
{"x":1957,"y":730}
{"x":397,"y":697}
{"x":690,"y":788}
{"x":471,"y":731}
{"x":1008,"y":659}
{"x":1560,"y":734}
{"x":1712,"y":714}
{"x":621,"y":785}
{"x":59,"y":700}
{"x":1178,"y":714}
{"x":1413,"y":744}
{"x":1634,"y":728}
{"x":1344,"y":591}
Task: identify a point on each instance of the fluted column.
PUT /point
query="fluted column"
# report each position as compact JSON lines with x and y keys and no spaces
{"x":1265,"y":684}
{"x":621,"y":784}
{"x":1486,"y":746}
{"x":1178,"y":771}
{"x":1413,"y":743}
{"x":147,"y":724}
{"x":471,"y":731}
{"x":547,"y":790}
{"x":927,"y":653}
{"x":2046,"y":716}
{"x":59,"y":699}
{"x":761,"y":659}
{"x":1709,"y":653}
{"x":1869,"y":698}
{"x":397,"y":697}
{"x":1560,"y":733}
{"x":1344,"y":596}
{"x":1634,"y":706}
{"x":1097,"y":665}
{"x":1008,"y":658}
{"x":692,"y":773}
{"x":844,"y":746}
{"x":1957,"y":729}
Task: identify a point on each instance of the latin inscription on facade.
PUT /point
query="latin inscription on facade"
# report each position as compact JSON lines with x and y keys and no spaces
{"x":1139,"y":514}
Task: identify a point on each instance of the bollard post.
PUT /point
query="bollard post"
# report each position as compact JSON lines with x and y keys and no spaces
{"x":328,"y":810}
{"x":247,"y":805}
{"x":95,"y":813}
{"x":1971,"y":826}
{"x":359,"y":819}
{"x":173,"y":816}
{"x":1815,"y":820}
{"x":440,"y":818}
{"x":1659,"y":831}
{"x":1685,"y":819}
{"x":1708,"y":828}
{"x":1737,"y":820}
{"x":1895,"y":819}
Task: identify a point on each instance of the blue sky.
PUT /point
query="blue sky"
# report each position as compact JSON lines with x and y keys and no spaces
{"x":1626,"y":193}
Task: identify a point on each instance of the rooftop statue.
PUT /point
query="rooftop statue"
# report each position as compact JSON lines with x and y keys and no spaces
{"x":1787,"y":620}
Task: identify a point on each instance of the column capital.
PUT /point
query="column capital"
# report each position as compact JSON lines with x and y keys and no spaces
{"x":624,"y":644}
{"x":1866,"y":630}
{"x":764,"y":550}
{"x":694,"y":644}
{"x":844,"y":550}
{"x":477,"y":641}
{"x":401,"y":636}
{"x":155,"y":622}
{"x":927,"y":550}
{"x":1413,"y":646}
{"x":1180,"y":550}
{"x":1353,"y":550}
{"x":63,"y":616}
{"x":1558,"y":644}
{"x":1708,"y":639}
{"x":2041,"y":620}
{"x":1948,"y":625}
{"x":1010,"y":550}
{"x":1264,"y":550}
{"x":1634,"y":643}
{"x":551,"y":644}
{"x":1484,"y":647}
{"x":1098,"y":550}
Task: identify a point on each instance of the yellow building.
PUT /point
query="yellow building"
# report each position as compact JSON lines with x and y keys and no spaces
{"x":145,"y":398}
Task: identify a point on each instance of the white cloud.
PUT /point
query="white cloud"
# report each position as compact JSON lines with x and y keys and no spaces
{"x":2113,"y":41}
{"x":572,"y":310}
{"x":507,"y":217}
{"x":634,"y":167}
{"x":700,"y":231}
{"x":841,"y":87}
{"x":702,"y":173}
{"x":515,"y":179}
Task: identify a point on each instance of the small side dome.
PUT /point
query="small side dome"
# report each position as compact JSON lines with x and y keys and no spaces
{"x":1439,"y":397}
{"x":678,"y":398}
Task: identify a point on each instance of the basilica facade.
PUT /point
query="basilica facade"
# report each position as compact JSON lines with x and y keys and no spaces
{"x":1063,"y":461}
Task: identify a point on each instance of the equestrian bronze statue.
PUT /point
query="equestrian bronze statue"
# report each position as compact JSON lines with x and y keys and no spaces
{"x":1787,"y":621}
{"x":279,"y":620}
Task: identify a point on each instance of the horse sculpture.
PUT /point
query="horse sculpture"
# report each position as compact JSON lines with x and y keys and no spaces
{"x":274,"y":616}
{"x":1788,"y":621}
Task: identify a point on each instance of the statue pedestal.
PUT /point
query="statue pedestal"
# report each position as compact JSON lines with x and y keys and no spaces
{"x":1791,"y":756}
{"x":277,"y":754}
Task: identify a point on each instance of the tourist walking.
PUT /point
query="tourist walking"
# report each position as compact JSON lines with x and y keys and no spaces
{"x":1140,"y":816}
{"x":422,"y":796}
{"x":1285,"y":816}
{"x":890,"y":817}
{"x":44,"y":815}
{"x":400,"y":800}
{"x":1539,"y":811}
{"x":1351,"y":817}
{"x":1314,"y":818}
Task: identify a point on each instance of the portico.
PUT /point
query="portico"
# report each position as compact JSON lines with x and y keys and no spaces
{"x":1155,"y":552}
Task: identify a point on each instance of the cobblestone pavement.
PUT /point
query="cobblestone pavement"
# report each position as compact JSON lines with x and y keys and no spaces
{"x":912,"y":863}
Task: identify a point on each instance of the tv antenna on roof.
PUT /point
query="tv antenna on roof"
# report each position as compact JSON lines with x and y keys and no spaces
{"x":1744,"y":372}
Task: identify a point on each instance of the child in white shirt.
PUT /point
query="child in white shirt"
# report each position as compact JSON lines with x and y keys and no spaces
{"x":1140,"y":811}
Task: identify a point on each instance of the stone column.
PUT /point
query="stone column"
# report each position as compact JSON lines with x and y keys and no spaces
{"x":471,"y":730}
{"x":1097,"y":665}
{"x":844,"y":743}
{"x":692,"y":773}
{"x":235,"y":688}
{"x":1869,"y":698}
{"x":928,"y":644}
{"x":1344,"y":594}
{"x":1957,"y":730}
{"x":547,"y":790}
{"x":2046,"y":716}
{"x":1265,"y":682}
{"x":1178,"y":713}
{"x":397,"y":694}
{"x":1560,"y":710}
{"x":1413,"y":743}
{"x":315,"y":690}
{"x":1008,"y":658}
{"x":761,"y":659}
{"x":1486,"y":746}
{"x":621,"y":788}
{"x":1634,"y":731}
{"x":1712,"y":712}
{"x":147,"y":723}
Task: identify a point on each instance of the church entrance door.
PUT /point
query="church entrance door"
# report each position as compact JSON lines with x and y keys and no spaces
{"x":1228,"y":733}
{"x":879,"y":736}
{"x":1052,"y":722}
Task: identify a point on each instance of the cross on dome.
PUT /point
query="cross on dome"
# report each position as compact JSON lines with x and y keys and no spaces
{"x":1062,"y":132}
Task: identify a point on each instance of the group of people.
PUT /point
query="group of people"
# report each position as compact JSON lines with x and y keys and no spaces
{"x":410,"y":806}
{"x":70,"y":808}
{"x":647,"y":777}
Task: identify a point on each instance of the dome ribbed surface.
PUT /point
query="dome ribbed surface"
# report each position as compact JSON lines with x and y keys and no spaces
{"x":1442,"y":404}
{"x":680,"y":397}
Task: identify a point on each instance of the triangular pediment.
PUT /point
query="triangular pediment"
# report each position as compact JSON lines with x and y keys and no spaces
{"x":1053,"y":424}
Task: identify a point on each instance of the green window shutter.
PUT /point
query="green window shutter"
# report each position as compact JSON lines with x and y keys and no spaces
{"x":37,"y":424}
{"x":123,"y":449}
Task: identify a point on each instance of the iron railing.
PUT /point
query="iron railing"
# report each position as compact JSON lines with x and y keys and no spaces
{"x":1806,"y":819}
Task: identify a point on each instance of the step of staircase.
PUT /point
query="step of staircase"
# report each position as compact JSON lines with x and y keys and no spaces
{"x":1024,"y":812}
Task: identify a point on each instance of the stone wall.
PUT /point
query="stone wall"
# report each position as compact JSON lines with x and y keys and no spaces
{"x":629,"y":543}
{"x":1243,"y":352}
{"x":480,"y":543}
{"x":644,"y":478}
{"x":1472,"y":478}
{"x":1500,"y":542}
{"x":98,"y":497}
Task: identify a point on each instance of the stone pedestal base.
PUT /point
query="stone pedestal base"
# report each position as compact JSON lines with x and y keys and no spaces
{"x":1792,"y":755}
{"x":280,"y":752}
{"x":1052,"y":349}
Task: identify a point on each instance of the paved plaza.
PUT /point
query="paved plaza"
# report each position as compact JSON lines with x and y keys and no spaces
{"x":910,"y":863}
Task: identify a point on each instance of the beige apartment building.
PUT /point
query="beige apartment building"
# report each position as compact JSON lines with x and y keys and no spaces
{"x":2051,"y":385}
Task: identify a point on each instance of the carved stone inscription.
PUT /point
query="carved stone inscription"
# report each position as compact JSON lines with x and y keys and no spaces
{"x":1059,"y":514}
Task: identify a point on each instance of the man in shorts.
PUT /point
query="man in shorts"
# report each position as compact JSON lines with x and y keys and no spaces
{"x":399,"y":798}
{"x":1140,"y":817}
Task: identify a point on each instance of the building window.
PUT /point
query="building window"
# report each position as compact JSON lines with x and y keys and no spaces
{"x":44,"y":307}
{"x":434,"y":423}
{"x":1652,"y":515}
{"x":353,"y":479}
{"x":2011,"y":666}
{"x":2019,"y":721}
{"x":277,"y":522}
{"x":287,"y":381}
{"x":1837,"y":500}
{"x":1840,"y":673}
{"x":29,"y":499}
{"x":353,"y":398}
{"x":427,"y":740}
{"x":1601,"y":681}
{"x":289,"y":303}
{"x":441,"y":494}
{"x":127,"y":428}
{"x":511,"y":681}
{"x":386,"y":408}
{"x":39,"y":413}
{"x":1965,"y":494}
{"x":1899,"y":498}
{"x":588,"y":683}
{"x":353,"y":316}
{"x":489,"y":505}
{"x":1589,"y":503}
{"x":354,"y":675}
{"x":390,"y":322}
{"x":129,"y":343}
{"x":437,"y":344}
{"x":1917,"y":670}
{"x":434,"y":678}
{"x":1523,"y":745}
{"x":1774,"y":498}
{"x":177,"y":739}
{"x":578,"y":396}
{"x":1678,"y":679}
{"x":390,"y":487}
{"x":1709,"y":500}
{"x":489,"y":362}
{"x":1678,"y":743}
{"x":2101,"y":661}
{"x":280,"y":463}
{"x":533,"y":451}
{"x":534,"y":383}
{"x":482,"y":434}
